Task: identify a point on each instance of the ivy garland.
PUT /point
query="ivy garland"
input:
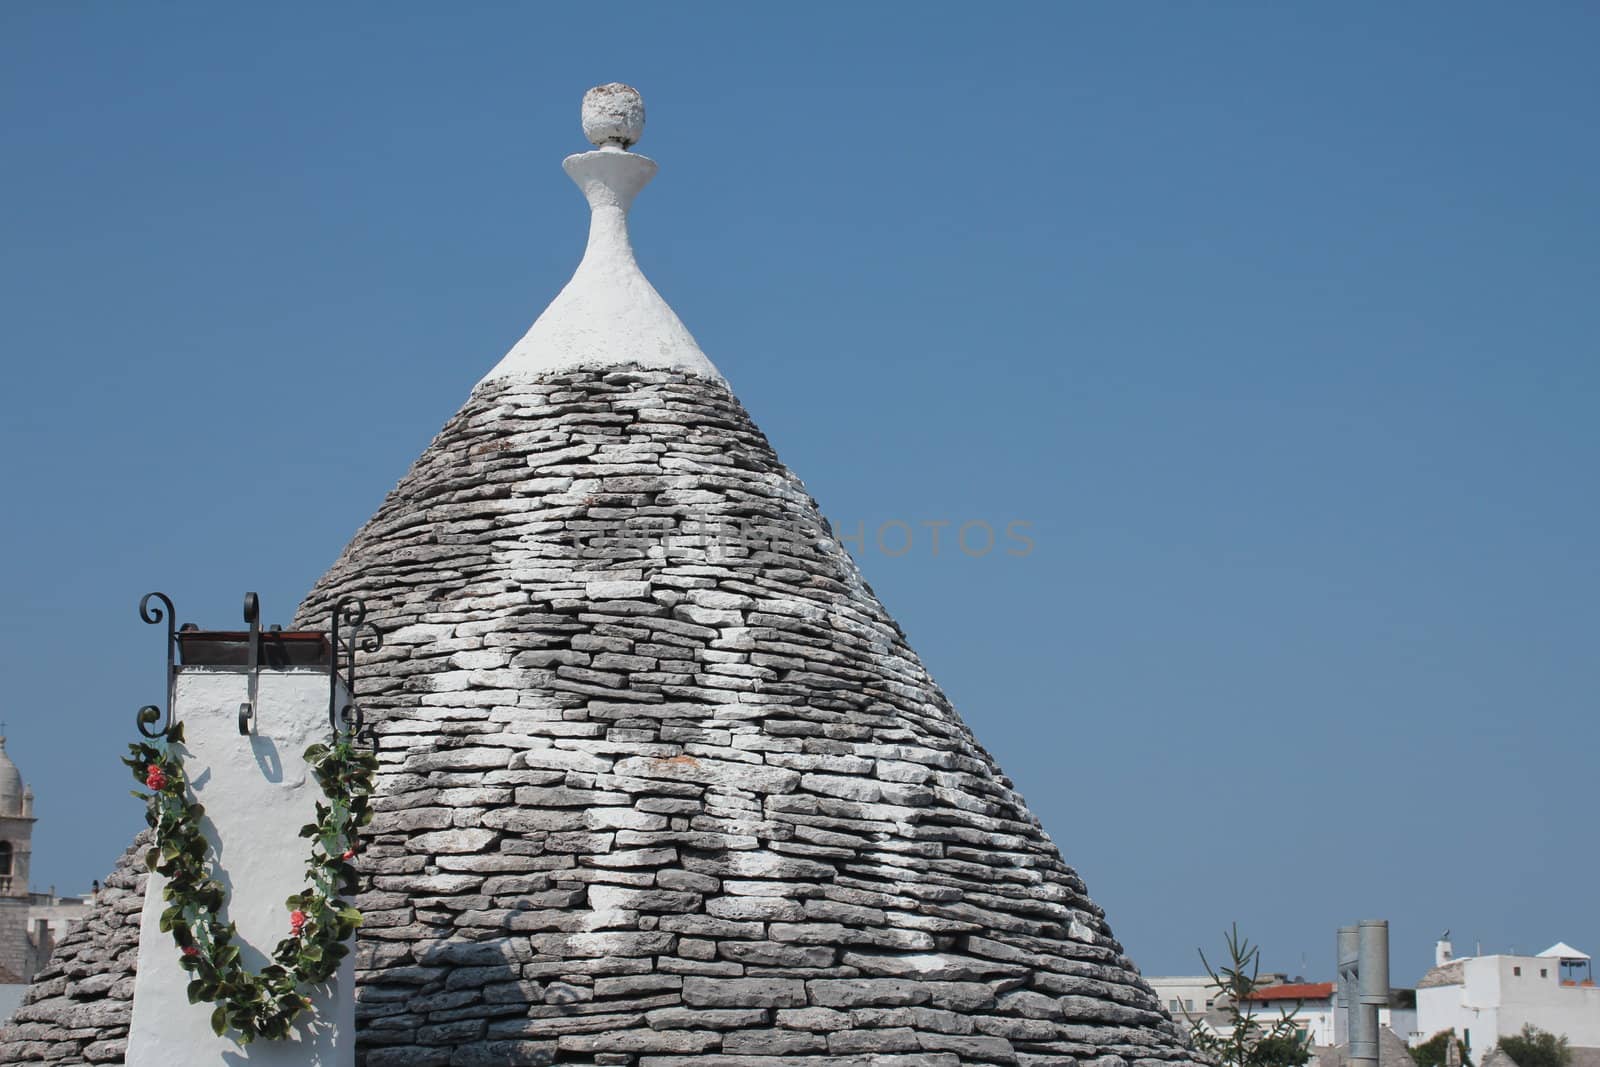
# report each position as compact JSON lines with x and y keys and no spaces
{"x":320,"y":923}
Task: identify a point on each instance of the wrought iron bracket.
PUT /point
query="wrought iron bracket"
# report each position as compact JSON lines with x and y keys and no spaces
{"x":252,"y":618}
{"x":150,"y":713}
{"x":348,"y":632}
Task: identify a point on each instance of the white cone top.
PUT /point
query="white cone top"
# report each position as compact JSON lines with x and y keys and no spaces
{"x":1563,"y":951}
{"x":608,"y":315}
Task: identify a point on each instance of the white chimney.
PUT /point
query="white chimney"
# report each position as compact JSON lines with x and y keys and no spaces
{"x":250,"y":706}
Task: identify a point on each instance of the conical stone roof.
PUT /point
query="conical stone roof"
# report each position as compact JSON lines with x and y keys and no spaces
{"x":662,"y":782}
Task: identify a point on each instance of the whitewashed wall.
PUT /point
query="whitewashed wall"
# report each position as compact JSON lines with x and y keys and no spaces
{"x":257,"y":792}
{"x":1494,"y":1001}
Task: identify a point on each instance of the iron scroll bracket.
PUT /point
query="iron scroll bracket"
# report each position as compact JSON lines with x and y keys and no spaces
{"x":151,"y":714}
{"x":252,"y":618}
{"x":349,"y":632}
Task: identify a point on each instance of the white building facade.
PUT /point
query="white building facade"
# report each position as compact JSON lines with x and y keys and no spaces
{"x":1313,"y":1007}
{"x":1485,"y":998}
{"x":1185,"y":995}
{"x":1310,"y":1005}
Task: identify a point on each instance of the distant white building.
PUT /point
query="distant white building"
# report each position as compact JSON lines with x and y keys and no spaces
{"x":1309,"y":1004}
{"x":1313,"y":1007}
{"x":1185,"y":995}
{"x":1485,"y":998}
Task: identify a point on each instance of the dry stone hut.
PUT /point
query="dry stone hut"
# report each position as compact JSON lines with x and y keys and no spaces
{"x":663,"y":784}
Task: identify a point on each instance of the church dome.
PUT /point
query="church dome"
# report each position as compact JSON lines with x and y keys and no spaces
{"x":11,"y":787}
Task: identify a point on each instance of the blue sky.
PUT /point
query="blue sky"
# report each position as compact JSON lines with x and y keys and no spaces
{"x":1276,"y":322}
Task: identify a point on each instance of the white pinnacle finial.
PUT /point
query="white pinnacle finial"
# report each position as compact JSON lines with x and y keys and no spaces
{"x":609,"y":315}
{"x":613,"y":116}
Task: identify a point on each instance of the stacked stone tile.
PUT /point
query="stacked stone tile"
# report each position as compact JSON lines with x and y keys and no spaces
{"x":662,"y":784}
{"x":663,"y":780}
{"x":78,"y":1007}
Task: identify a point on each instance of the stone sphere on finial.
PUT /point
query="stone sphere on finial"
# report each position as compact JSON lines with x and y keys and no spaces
{"x":613,"y":115}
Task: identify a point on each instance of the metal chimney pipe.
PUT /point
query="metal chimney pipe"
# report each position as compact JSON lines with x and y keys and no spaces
{"x":1373,"y":950}
{"x":1370,"y":990}
{"x":1362,"y":1053}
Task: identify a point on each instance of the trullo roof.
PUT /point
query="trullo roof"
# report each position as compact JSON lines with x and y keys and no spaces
{"x":663,"y":784}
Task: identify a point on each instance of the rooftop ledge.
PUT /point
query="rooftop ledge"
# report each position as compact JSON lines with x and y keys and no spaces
{"x":231,"y":648}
